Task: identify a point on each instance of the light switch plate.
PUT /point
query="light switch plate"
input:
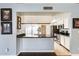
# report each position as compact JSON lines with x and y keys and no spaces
{"x":7,"y":50}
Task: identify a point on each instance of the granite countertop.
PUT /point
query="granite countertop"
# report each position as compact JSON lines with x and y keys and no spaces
{"x":62,"y":33}
{"x":23,"y":36}
{"x":34,"y":37}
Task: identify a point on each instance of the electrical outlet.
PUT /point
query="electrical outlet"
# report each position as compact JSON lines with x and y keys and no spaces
{"x":7,"y":49}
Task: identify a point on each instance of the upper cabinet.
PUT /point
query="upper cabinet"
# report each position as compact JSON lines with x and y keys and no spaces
{"x":61,"y":19}
{"x":66,"y":24}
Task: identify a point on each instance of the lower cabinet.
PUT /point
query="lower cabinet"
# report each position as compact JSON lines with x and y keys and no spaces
{"x":62,"y":40}
{"x":65,"y":41}
{"x":60,"y":50}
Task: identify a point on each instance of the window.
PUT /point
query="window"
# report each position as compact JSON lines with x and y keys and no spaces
{"x":32,"y":30}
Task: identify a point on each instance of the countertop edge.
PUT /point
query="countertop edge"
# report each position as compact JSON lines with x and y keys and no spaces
{"x":23,"y":36}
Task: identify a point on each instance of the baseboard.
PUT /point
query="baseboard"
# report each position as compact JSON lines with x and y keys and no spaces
{"x":75,"y":55}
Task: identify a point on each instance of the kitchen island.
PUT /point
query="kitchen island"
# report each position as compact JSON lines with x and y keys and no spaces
{"x":35,"y":44}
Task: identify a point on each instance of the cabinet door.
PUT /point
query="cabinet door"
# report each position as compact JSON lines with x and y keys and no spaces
{"x":62,"y":40}
{"x":66,"y":23}
{"x":67,"y":42}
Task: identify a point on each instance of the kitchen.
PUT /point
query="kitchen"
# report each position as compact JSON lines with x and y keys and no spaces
{"x":35,"y":29}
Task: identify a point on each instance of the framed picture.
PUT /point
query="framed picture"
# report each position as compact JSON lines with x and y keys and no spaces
{"x":6,"y":14}
{"x":6,"y":27}
{"x":75,"y":22}
{"x":18,"y":22}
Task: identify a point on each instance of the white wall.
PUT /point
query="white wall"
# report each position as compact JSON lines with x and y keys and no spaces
{"x":9,"y":41}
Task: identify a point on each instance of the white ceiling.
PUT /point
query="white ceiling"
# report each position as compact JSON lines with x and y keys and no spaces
{"x":37,"y":17}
